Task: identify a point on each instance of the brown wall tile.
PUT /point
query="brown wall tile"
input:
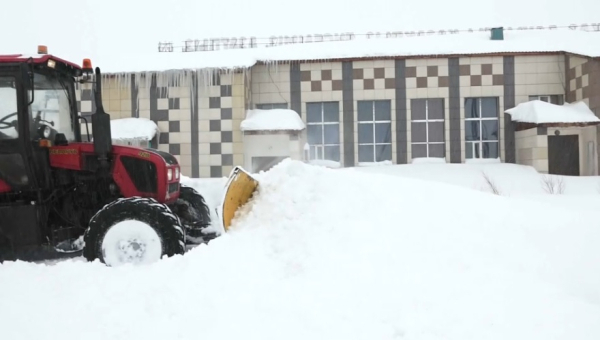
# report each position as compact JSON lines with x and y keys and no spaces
{"x":357,"y":73}
{"x":486,"y":69}
{"x":337,"y":85}
{"x":432,"y":71}
{"x":498,"y":79}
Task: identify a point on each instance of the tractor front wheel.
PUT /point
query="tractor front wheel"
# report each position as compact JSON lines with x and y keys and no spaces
{"x":133,"y":230}
{"x":192,"y":210}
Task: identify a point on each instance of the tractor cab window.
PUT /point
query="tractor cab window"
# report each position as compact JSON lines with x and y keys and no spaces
{"x":51,"y":106}
{"x":8,"y":109}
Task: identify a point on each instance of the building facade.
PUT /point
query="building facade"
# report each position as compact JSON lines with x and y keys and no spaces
{"x":358,"y":110}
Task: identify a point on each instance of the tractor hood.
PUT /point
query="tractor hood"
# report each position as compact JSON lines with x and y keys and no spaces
{"x":169,"y":159}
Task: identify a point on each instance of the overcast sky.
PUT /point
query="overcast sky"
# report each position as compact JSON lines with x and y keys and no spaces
{"x":78,"y":28}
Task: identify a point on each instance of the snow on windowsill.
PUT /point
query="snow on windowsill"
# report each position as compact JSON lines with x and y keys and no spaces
{"x":382,"y":163}
{"x":325,"y":163}
{"x":428,"y":160}
{"x":483,"y":160}
{"x":272,"y":120}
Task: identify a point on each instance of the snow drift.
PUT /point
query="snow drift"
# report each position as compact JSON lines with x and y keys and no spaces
{"x":328,"y":254}
{"x":540,"y":112}
{"x":272,"y":120}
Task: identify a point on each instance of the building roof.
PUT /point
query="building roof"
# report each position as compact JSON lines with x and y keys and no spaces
{"x":133,"y":129}
{"x":272,"y":120}
{"x":459,"y":44}
{"x":544,"y":113}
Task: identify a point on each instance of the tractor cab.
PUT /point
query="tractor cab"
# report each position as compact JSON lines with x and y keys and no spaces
{"x":60,"y":195}
{"x":37,"y":109}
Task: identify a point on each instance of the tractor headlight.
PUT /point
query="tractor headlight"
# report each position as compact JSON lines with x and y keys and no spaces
{"x":47,"y":132}
{"x":169,"y":174}
{"x":176,"y":173}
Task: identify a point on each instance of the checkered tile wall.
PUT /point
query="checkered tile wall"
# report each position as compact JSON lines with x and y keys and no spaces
{"x":479,"y":75}
{"x":371,"y":78}
{"x":321,"y":80}
{"x":199,"y":123}
{"x":424,"y":76}
{"x":196,"y":120}
{"x":216,"y":122}
{"x":578,"y":77}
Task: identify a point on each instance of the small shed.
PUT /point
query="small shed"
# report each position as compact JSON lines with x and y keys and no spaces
{"x":556,"y":139}
{"x":271,"y":136}
{"x":141,"y":132}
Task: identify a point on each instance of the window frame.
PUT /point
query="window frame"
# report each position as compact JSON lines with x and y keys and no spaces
{"x":426,"y":121}
{"x":559,"y":98}
{"x":480,"y":141}
{"x":373,"y":122}
{"x":18,"y":118}
{"x":319,"y":149}
{"x":273,"y":106}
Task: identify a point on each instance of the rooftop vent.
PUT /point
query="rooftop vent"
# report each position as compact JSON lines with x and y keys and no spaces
{"x":498,"y":33}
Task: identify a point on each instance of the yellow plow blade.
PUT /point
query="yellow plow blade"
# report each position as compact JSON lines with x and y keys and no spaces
{"x":239,"y":189}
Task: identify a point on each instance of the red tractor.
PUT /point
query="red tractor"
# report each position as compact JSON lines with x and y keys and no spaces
{"x":61,"y":195}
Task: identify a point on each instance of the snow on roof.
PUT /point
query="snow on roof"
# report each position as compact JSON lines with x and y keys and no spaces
{"x":271,"y":120}
{"x":526,"y":41}
{"x":133,"y":128}
{"x":540,"y":112}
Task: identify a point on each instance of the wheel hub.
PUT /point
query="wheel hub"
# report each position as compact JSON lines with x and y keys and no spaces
{"x":132,"y":242}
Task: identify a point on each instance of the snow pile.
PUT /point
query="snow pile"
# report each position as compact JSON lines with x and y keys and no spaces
{"x":329,"y":254}
{"x":380,"y":163}
{"x":133,"y":129}
{"x":428,"y":160}
{"x":540,"y":112}
{"x":211,"y":190}
{"x":272,"y":120}
{"x":325,"y":163}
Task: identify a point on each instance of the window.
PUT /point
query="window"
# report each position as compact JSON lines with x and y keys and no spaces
{"x":427,"y":128}
{"x":8,"y":109}
{"x":374,"y":131}
{"x":323,"y":130}
{"x":553,"y":98}
{"x":52,"y":100}
{"x":272,"y":106}
{"x":481,"y":127}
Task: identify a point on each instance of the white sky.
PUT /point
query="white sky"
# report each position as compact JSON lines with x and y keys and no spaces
{"x":75,"y":29}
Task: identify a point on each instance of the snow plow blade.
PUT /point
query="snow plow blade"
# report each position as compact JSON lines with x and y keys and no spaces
{"x":239,"y":189}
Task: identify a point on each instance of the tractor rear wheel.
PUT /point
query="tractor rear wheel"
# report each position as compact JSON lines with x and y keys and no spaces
{"x":133,"y":230}
{"x":192,"y":210}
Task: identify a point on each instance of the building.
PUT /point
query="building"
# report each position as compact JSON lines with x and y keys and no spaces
{"x":386,"y":100}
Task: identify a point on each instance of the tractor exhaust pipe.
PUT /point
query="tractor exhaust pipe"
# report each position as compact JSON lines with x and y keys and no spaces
{"x":101,"y":133}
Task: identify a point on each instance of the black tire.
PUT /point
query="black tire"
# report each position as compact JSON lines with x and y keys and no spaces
{"x":147,"y":210}
{"x":194,"y":213}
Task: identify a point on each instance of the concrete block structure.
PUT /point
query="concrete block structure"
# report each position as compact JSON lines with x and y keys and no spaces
{"x":368,"y":108}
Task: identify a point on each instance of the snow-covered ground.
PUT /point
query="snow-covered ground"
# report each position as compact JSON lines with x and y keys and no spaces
{"x":421,"y":251}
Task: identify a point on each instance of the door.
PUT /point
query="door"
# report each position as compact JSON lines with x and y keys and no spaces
{"x":13,"y":170}
{"x":563,"y":155}
{"x":265,"y":163}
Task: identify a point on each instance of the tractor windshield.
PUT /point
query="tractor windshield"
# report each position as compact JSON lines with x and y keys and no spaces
{"x":52,"y":105}
{"x":8,"y":109}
